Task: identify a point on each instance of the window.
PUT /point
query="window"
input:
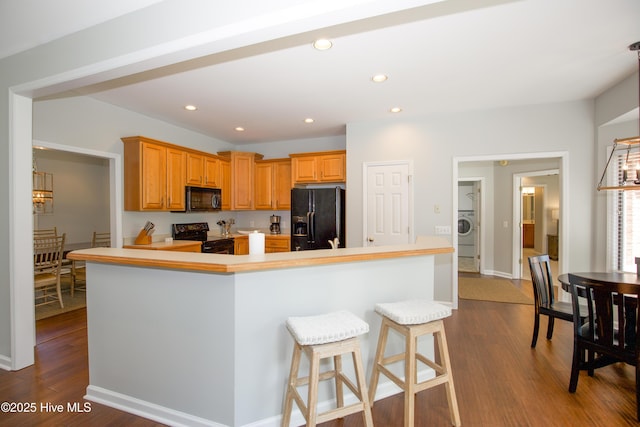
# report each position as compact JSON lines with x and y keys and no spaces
{"x":624,"y":217}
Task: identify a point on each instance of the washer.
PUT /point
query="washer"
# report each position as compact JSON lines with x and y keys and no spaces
{"x":466,"y":233}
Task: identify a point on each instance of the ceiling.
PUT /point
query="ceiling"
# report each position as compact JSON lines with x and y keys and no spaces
{"x":512,"y":53}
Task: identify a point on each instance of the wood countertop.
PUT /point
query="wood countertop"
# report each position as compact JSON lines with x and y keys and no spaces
{"x":218,"y":263}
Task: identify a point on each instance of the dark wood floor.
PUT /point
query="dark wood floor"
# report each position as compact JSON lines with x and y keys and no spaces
{"x":500,"y":380}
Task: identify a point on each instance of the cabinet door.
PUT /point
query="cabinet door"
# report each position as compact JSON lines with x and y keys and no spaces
{"x":154,"y":175}
{"x":195,"y":169}
{"x":225,"y":184}
{"x":242,"y":181}
{"x":241,"y":245}
{"x":276,"y":244}
{"x":332,"y":168}
{"x":282,"y":185}
{"x":264,"y":185}
{"x":528,"y":235}
{"x":211,"y":172}
{"x":303,"y":169}
{"x":175,"y":179}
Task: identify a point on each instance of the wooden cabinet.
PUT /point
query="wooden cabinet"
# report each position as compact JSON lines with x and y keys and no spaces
{"x":203,"y":170}
{"x":212,"y":172}
{"x":225,"y":184}
{"x":528,"y":235}
{"x":242,"y":171}
{"x":272,"y":184}
{"x":328,"y":166}
{"x":154,"y":175}
{"x":241,"y":245}
{"x":176,"y":200}
{"x":552,"y":246}
{"x":281,"y":243}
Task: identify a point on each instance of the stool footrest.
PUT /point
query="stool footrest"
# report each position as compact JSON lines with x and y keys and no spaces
{"x":342,"y":412}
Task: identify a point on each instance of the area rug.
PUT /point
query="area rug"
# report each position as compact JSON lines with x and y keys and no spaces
{"x":78,"y":301}
{"x":490,"y":289}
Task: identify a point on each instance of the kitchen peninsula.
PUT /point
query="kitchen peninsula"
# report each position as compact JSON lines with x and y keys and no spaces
{"x":199,"y":339}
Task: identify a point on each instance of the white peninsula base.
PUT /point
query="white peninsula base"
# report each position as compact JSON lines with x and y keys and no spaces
{"x":207,"y":348}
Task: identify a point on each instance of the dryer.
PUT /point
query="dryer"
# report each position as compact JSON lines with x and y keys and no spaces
{"x":466,"y":233}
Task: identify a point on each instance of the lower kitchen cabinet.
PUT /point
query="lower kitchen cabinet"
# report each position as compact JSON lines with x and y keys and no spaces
{"x":279,"y":243}
{"x":241,"y":245}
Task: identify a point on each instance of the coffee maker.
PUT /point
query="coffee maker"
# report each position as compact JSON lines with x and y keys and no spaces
{"x":275,"y":224}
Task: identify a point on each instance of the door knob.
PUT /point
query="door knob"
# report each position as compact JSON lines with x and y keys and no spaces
{"x":370,"y":239}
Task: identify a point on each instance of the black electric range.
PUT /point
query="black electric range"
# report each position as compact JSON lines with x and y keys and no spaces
{"x":199,"y":231}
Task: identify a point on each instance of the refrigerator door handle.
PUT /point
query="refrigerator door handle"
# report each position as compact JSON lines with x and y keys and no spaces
{"x":312,"y":227}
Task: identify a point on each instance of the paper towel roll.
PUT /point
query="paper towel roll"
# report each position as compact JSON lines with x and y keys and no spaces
{"x":256,"y":243}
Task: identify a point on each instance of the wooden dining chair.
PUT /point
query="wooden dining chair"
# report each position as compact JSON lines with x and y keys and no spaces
{"x":544,"y":297}
{"x":67,"y":266}
{"x":47,"y":264}
{"x":78,"y":270}
{"x":45,"y":232}
{"x":610,"y":333}
{"x":101,"y":240}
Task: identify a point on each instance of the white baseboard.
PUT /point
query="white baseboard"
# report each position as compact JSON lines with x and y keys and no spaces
{"x":171,"y":417}
{"x":146,"y":409}
{"x":5,"y":363}
{"x":498,"y":274}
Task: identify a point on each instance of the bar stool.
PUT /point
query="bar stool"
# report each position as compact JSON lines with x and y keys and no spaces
{"x":413,"y":319}
{"x":320,"y":337}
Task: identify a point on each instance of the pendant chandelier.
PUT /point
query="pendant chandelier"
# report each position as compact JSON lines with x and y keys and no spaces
{"x":629,"y":179}
{"x":42,"y":191}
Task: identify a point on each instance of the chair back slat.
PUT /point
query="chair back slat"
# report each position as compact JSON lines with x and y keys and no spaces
{"x":541,"y":277}
{"x":47,"y":254}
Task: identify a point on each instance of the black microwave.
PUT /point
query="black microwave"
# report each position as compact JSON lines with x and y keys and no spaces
{"x":199,"y":199}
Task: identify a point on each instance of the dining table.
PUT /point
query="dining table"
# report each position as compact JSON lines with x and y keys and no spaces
{"x":612,"y":278}
{"x":604,"y":277}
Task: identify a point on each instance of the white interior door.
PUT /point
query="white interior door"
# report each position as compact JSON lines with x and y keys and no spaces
{"x":387,"y":204}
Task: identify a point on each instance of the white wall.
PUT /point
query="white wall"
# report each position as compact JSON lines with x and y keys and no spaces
{"x":81,"y":194}
{"x":432,"y":143}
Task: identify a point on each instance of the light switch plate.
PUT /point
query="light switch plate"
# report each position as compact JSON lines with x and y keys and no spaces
{"x":443,"y":229}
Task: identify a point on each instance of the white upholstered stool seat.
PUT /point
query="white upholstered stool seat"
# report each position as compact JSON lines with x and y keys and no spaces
{"x":326,"y":336}
{"x":413,"y":319}
{"x":326,"y":328}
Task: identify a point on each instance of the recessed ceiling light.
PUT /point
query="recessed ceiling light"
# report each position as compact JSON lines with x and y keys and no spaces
{"x":190,"y":107}
{"x":239,"y":129}
{"x":309,"y":120}
{"x":395,"y":109}
{"x":322,"y":44}
{"x":379,"y":78}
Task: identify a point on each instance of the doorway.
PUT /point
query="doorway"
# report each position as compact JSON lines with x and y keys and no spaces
{"x":536,"y":202}
{"x":500,"y":256}
{"x":23,"y":330}
{"x":469,"y":225}
{"x":81,"y":196}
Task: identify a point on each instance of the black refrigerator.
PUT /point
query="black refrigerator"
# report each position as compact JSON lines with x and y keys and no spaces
{"x":317,"y":216}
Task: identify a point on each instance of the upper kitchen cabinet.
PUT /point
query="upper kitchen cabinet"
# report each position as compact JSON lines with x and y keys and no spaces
{"x":225,"y":184}
{"x":242,"y":178}
{"x":327,"y":166}
{"x":273,"y":184}
{"x":203,"y":170}
{"x":154,"y":175}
